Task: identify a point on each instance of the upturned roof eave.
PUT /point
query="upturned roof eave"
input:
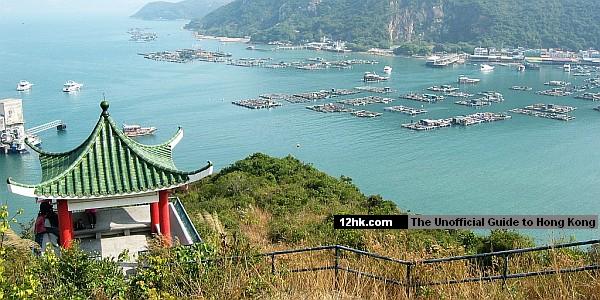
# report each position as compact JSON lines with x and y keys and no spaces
{"x":29,"y":190}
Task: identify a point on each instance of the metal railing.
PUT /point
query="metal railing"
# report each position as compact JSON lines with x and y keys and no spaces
{"x":408,"y":281}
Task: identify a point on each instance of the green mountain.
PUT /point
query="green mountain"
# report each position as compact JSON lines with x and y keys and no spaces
{"x":551,"y":23}
{"x":187,"y":9}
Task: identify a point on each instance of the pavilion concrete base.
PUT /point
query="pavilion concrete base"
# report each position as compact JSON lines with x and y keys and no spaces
{"x":116,"y":230}
{"x":113,"y":246}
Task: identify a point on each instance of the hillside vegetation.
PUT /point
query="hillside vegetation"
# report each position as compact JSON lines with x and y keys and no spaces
{"x":383,"y":23}
{"x":187,"y":9}
{"x":263,"y":203}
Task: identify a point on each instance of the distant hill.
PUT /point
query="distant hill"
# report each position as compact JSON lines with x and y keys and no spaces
{"x":551,"y":23}
{"x":187,"y":9}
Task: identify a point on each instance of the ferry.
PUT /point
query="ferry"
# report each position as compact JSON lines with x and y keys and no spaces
{"x":71,"y":86}
{"x":387,"y":70}
{"x":486,"y":68}
{"x":24,"y":85}
{"x":137,"y":130}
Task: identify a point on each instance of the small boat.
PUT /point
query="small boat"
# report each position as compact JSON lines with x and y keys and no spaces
{"x":369,"y":76}
{"x":486,"y":68}
{"x":567,"y":67}
{"x":71,"y":86}
{"x":520,"y":67}
{"x":137,"y":130}
{"x":24,"y":85}
{"x":387,"y":70}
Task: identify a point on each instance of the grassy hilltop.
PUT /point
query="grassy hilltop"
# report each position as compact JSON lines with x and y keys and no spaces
{"x":263,"y":203}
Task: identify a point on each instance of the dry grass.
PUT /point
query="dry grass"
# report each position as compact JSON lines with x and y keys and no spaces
{"x":286,"y":284}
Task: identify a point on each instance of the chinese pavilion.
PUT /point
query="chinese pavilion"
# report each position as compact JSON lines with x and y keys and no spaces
{"x":107,"y":170}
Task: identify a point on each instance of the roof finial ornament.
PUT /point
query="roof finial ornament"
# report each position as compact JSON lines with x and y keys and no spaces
{"x":104,"y":105}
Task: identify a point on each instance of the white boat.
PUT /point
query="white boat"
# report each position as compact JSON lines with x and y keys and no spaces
{"x":71,"y":86}
{"x":567,"y":67}
{"x":486,"y":68}
{"x":387,"y":70}
{"x":521,"y":68}
{"x":137,"y":130}
{"x":24,"y":85}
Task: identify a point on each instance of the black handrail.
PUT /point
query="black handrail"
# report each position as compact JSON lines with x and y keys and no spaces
{"x":409,"y":282}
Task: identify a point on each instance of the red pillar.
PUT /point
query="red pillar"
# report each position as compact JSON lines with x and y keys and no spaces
{"x":154,"y":217}
{"x":65,"y":225}
{"x":71,"y":222}
{"x":165,"y":220}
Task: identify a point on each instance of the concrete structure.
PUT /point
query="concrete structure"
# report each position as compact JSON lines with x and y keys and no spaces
{"x":107,"y":171}
{"x":12,"y":130}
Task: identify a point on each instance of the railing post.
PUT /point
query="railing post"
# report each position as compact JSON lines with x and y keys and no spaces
{"x":408,"y":280}
{"x":273,"y":264}
{"x":337,"y":264}
{"x":505,"y":271}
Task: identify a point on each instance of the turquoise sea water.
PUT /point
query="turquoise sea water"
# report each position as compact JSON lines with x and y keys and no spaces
{"x":525,"y":165}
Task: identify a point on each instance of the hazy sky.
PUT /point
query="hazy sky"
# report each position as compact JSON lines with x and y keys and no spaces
{"x":29,"y":7}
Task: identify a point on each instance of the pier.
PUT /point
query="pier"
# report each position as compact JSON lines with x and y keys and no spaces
{"x":444,"y":60}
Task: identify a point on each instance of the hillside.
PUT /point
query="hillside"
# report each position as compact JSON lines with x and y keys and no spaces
{"x":553,"y":23}
{"x":187,"y":9}
{"x":263,"y":203}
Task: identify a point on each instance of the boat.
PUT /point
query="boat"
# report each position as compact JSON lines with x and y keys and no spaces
{"x":486,"y":68}
{"x":387,"y":70}
{"x":71,"y":86}
{"x":370,"y":76}
{"x":520,"y":68}
{"x":24,"y":85}
{"x":137,"y":130}
{"x":466,"y":80}
{"x":531,"y":66}
{"x":567,"y":67}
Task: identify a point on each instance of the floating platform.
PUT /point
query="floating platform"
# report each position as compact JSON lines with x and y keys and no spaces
{"x":366,"y":101}
{"x":405,"y":110}
{"x":472,"y":119}
{"x":442,"y":88}
{"x":373,"y":89}
{"x":429,"y":98}
{"x":330,"y":108}
{"x":548,"y":111}
{"x":257,"y":103}
{"x":520,"y":88}
{"x":589,"y":96}
{"x":555,"y":92}
{"x":366,"y":114}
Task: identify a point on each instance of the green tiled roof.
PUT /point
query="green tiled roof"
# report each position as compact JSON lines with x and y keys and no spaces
{"x":108,"y":163}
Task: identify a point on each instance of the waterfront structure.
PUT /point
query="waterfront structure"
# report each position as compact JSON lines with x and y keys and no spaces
{"x":110,"y":170}
{"x":12,"y":125}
